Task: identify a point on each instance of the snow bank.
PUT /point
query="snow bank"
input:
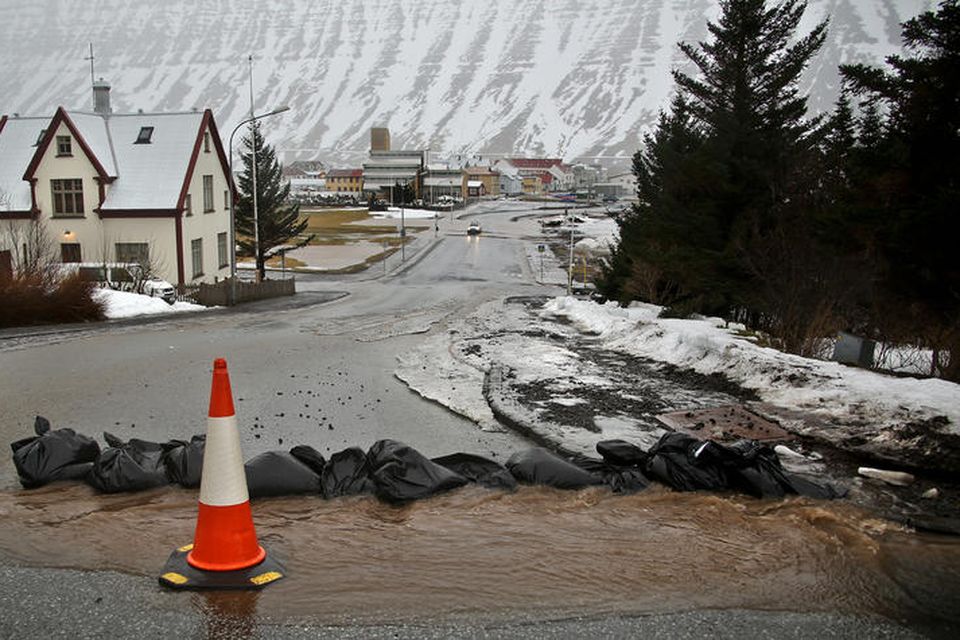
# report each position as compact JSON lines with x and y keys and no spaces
{"x":411,"y":214}
{"x":789,"y":381}
{"x":122,"y":304}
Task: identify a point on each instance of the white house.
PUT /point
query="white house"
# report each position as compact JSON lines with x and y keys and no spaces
{"x":144,"y":187}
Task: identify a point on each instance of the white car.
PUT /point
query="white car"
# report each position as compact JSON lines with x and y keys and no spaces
{"x":473,"y":229}
{"x":158,"y":288}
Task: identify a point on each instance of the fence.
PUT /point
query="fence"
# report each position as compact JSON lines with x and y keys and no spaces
{"x":219,"y":294}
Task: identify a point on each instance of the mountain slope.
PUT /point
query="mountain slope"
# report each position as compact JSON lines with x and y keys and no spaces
{"x":571,"y":78}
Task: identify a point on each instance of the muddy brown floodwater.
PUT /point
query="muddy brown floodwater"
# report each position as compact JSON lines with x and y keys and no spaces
{"x":538,"y":552}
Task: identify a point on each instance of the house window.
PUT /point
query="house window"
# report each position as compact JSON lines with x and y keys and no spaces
{"x":70,"y":252}
{"x":196,"y":253}
{"x":207,"y":194}
{"x":134,"y":252}
{"x":222,"y":254}
{"x":188,"y":205}
{"x":226,"y":199}
{"x":67,"y":196}
{"x":43,"y":133}
{"x":206,"y":142}
{"x":64,"y":148}
{"x":145,"y":135}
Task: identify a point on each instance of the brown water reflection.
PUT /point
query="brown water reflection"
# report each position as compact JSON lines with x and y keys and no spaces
{"x":493,"y":554}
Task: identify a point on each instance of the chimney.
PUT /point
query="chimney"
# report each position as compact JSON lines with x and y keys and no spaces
{"x":101,"y":97}
{"x":379,"y":139}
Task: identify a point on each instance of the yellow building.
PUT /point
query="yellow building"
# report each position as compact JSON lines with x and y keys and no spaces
{"x":345,"y":180}
{"x":489,"y":178}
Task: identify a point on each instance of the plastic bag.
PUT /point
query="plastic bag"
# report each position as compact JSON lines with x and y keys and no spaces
{"x":346,"y":474}
{"x":479,"y":470}
{"x":62,"y":454}
{"x":183,"y":461}
{"x":128,"y":466}
{"x":622,"y":453}
{"x":539,"y":466}
{"x":279,"y":473}
{"x":400,"y":473}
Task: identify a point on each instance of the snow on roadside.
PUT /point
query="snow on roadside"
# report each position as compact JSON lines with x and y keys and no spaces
{"x":393,"y":213}
{"x":123,"y":304}
{"x":789,"y":381}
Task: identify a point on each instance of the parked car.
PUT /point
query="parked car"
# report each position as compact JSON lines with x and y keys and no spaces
{"x":157,"y":288}
{"x":474,"y":228}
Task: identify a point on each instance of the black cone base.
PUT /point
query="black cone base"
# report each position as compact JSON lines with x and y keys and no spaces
{"x":180,"y":574}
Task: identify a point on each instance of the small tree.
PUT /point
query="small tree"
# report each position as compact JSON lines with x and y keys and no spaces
{"x":278,"y":220}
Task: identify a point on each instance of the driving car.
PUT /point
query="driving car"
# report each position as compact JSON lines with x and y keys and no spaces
{"x":474,"y":228}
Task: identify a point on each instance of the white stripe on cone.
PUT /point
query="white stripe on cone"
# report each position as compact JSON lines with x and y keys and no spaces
{"x":223,"y":482}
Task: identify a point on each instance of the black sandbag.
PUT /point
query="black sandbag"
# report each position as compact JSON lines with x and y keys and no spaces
{"x":479,"y":470}
{"x":688,"y":464}
{"x":620,"y":478}
{"x":622,"y":453}
{"x":760,"y":473}
{"x":128,"y":466}
{"x":183,"y":461}
{"x":346,"y":474}
{"x":400,"y":473}
{"x":51,"y":455}
{"x":279,"y":473}
{"x":310,"y":457}
{"x":678,"y":461}
{"x":539,"y":466}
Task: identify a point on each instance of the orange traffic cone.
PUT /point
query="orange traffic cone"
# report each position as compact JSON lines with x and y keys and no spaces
{"x":225,"y":553}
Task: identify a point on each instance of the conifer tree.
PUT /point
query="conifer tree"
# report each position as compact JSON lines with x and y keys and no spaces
{"x":911,"y":128}
{"x":717,"y":172}
{"x":279,"y":220}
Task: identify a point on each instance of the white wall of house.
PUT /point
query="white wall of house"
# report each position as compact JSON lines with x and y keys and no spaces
{"x":83,"y":228}
{"x":206,"y":225}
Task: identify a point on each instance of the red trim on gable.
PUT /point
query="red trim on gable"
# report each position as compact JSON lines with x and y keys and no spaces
{"x":138,"y":213}
{"x":17,"y":215}
{"x":61,"y":117}
{"x":218,"y":144}
{"x":206,"y":123}
{"x":3,"y":122}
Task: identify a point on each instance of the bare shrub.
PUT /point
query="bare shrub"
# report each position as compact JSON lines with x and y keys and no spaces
{"x":39,"y":292}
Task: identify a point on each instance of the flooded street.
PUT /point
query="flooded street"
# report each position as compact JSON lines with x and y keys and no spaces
{"x":489,"y":555}
{"x":326,"y":375}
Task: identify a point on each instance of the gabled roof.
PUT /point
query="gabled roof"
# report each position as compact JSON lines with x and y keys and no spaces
{"x":17,"y":139}
{"x":144,"y":177}
{"x":95,"y":130}
{"x":534,"y":163}
{"x":345,"y":173}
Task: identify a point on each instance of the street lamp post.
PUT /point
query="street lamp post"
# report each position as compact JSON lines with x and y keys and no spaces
{"x":233,"y":202}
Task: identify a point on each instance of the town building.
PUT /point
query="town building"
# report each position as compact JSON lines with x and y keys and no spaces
{"x":152,"y":188}
{"x":344,"y":180}
{"x":489,"y":178}
{"x":443,"y":180}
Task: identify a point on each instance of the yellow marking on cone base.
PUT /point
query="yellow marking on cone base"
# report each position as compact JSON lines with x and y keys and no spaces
{"x":185,"y":548}
{"x":267,"y":577}
{"x":175,"y":578}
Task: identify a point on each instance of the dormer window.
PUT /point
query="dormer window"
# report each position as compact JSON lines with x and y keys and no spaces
{"x":43,"y":132}
{"x":64,"y":146}
{"x":146,"y":133}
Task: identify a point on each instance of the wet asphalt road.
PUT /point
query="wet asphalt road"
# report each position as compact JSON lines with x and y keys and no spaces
{"x":315,"y":370}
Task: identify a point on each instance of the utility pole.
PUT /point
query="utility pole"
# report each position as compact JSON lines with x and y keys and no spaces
{"x":253,"y":148}
{"x":92,"y":79}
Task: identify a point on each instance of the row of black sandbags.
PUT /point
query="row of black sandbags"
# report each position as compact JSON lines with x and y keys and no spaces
{"x":397,"y":473}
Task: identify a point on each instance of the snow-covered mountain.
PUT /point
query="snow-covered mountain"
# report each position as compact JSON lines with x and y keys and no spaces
{"x":571,"y":78}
